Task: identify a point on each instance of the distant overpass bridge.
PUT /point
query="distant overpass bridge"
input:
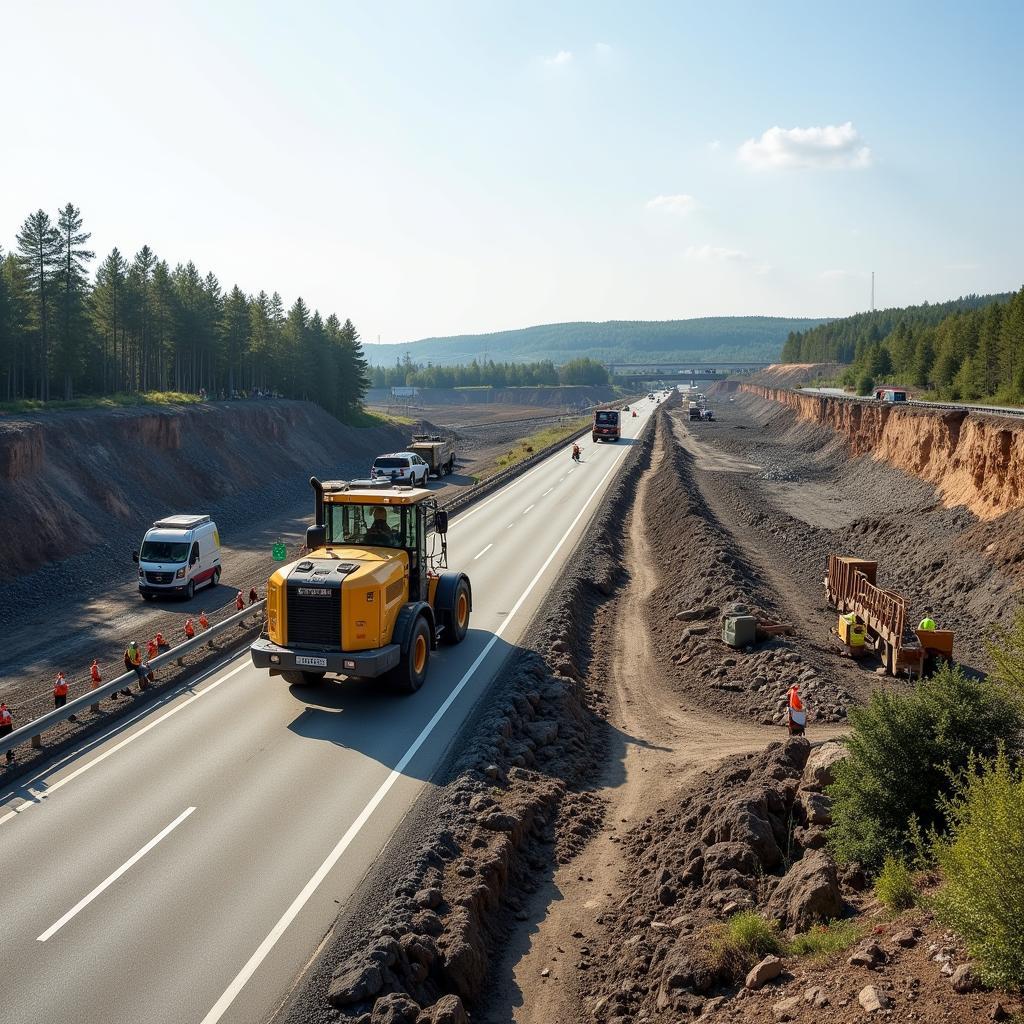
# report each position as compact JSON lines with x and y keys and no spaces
{"x":636,"y":373}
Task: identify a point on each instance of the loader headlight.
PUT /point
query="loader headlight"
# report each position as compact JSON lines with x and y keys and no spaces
{"x":275,"y":659}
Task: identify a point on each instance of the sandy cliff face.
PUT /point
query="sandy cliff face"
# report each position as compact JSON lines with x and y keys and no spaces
{"x":70,"y":482}
{"x":976,"y":461}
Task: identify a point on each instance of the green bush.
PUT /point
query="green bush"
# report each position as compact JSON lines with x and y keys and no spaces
{"x":1006,"y":649}
{"x":901,"y":746}
{"x":823,"y":940}
{"x":895,"y":886}
{"x":734,"y":947}
{"x":866,"y":384}
{"x":982,"y":864}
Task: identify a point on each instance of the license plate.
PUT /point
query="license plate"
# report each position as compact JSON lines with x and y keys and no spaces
{"x":311,"y":662}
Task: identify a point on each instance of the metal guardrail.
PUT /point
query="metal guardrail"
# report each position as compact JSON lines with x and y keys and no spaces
{"x":33,"y":731}
{"x":986,"y":410}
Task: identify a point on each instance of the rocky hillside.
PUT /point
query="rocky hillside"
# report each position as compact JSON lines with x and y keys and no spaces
{"x":973,"y":460}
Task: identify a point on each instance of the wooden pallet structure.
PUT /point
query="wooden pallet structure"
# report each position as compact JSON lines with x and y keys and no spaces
{"x":851,"y":588}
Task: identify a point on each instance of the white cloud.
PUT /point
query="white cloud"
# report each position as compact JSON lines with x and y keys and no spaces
{"x":831,"y":146}
{"x":716,"y":254}
{"x":561,"y":58}
{"x":680,"y":204}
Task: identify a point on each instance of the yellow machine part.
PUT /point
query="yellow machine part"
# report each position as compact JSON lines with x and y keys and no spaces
{"x":852,"y":632}
{"x":372,"y":597}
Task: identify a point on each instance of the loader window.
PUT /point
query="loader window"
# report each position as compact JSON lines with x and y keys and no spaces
{"x":376,"y":525}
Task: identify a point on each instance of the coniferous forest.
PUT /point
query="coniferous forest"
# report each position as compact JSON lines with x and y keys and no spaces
{"x":969,"y":349}
{"x":71,"y":325}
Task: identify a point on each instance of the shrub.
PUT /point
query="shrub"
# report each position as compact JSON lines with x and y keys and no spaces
{"x":823,"y":940}
{"x":894,"y":886}
{"x":734,"y":947}
{"x":900,"y":748}
{"x":866,"y":384}
{"x":982,"y":864}
{"x":1006,"y":650}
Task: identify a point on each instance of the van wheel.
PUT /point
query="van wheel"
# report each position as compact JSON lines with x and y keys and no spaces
{"x":408,"y":677}
{"x":303,"y":678}
{"x":216,"y":577}
{"x":190,"y":590}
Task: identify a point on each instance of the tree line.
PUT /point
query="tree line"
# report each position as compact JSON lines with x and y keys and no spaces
{"x":544,"y":373}
{"x":966,"y":350}
{"x":141,"y":325}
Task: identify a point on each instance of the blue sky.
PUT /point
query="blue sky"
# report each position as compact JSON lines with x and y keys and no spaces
{"x":445,"y":168}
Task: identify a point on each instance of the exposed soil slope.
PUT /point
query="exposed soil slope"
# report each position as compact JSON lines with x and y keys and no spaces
{"x":975,"y":460}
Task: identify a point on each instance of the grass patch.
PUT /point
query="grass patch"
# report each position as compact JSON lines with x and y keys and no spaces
{"x":535,"y":442}
{"x":365,"y":418}
{"x":823,"y":940}
{"x":119,"y":401}
{"x":734,"y":947}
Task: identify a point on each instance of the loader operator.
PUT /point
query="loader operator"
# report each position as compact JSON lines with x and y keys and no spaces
{"x":380,"y":533}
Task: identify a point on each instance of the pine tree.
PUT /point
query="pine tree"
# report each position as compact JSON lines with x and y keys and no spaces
{"x":235,"y":329}
{"x":39,"y":249}
{"x":107,"y":303}
{"x":73,"y":284}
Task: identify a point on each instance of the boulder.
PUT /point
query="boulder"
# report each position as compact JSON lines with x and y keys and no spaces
{"x":819,"y":770}
{"x":428,"y":899}
{"x":816,"y":997}
{"x":761,"y":973}
{"x":808,"y":893}
{"x":965,"y":979}
{"x":447,"y":1010}
{"x":689,"y":614}
{"x":355,"y":983}
{"x":874,"y":999}
{"x":817,"y":807}
{"x":730,"y":857}
{"x":868,"y":955}
{"x":907,"y":939}
{"x":394,"y":1008}
{"x":787,"y":1009}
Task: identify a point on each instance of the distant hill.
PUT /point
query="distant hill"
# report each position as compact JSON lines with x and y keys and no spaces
{"x":704,"y":339}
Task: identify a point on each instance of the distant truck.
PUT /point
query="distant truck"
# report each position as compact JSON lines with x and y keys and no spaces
{"x":694,"y":411}
{"x":179,"y":554}
{"x":435,"y":451}
{"x":891,"y":394}
{"x":606,"y":426}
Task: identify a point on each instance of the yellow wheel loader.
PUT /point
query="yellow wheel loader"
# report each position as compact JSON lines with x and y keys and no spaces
{"x":369,"y":598}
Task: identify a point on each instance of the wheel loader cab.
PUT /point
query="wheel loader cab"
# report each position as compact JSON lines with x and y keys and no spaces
{"x":373,"y":524}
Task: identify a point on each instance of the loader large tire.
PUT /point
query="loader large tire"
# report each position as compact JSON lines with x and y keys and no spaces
{"x":453,"y":614}
{"x":411,"y":671}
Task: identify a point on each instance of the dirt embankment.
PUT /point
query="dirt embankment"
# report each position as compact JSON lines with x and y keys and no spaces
{"x":973,"y":460}
{"x":70,"y":482}
{"x":794,"y":375}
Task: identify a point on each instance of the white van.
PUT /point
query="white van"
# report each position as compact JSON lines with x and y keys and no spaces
{"x":179,"y":554}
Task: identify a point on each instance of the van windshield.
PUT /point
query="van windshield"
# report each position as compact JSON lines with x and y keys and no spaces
{"x":607,"y":416}
{"x":163,"y":551}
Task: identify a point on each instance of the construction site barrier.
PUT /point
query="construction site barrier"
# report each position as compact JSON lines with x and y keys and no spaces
{"x":33,"y":732}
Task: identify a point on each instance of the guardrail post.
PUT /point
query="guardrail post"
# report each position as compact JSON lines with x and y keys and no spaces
{"x":37,"y":742}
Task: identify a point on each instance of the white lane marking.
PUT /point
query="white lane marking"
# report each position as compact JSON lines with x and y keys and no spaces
{"x":142,"y":732}
{"x":561,"y":478}
{"x":547,"y":492}
{"x":510,"y":525}
{"x":111,"y":879}
{"x":263,"y":951}
{"x":8,"y":816}
{"x":484,"y":552}
{"x":461,"y":517}
{"x":527,"y":509}
{"x":570,"y":469}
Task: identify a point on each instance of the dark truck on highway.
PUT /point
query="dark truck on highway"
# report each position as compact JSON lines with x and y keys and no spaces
{"x":606,"y":425}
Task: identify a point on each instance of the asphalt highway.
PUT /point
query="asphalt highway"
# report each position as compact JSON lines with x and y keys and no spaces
{"x":183,"y":867}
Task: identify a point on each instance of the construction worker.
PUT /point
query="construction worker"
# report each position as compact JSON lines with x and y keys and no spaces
{"x":60,"y":691}
{"x":239,"y":602}
{"x":133,"y":662}
{"x":253,"y":596}
{"x":204,"y":622}
{"x":160,"y":641}
{"x":190,"y":630}
{"x":94,"y":673}
{"x":6,"y":728}
{"x":797,"y":713}
{"x":152,"y":649}
{"x":927,"y":623}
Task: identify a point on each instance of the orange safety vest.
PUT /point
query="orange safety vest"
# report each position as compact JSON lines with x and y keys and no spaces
{"x":159,"y":639}
{"x":239,"y":603}
{"x":190,"y":630}
{"x":794,"y":701}
{"x":94,"y":671}
{"x":60,"y":688}
{"x":151,"y":649}
{"x":5,"y":717}
{"x":203,"y":620}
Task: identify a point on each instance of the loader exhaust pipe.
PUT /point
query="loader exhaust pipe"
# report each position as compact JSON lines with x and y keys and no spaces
{"x":316,"y":535}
